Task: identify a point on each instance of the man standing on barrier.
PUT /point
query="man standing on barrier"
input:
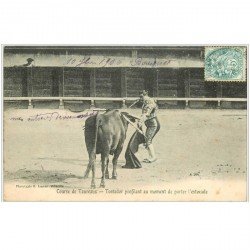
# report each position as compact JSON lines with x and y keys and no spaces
{"x":149,"y":109}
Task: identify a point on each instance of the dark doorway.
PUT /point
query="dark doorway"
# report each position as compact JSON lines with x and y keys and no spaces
{"x":108,"y":82}
{"x":25,"y":82}
{"x":150,"y":81}
{"x":116,"y":83}
{"x":76,"y":82}
{"x":55,"y":81}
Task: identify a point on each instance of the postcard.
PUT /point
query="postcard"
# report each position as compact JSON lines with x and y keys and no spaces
{"x":125,"y":123}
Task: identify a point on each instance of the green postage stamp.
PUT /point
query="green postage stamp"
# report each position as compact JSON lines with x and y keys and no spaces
{"x":225,"y":64}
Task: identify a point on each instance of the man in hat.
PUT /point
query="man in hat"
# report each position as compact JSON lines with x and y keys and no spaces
{"x":149,"y":109}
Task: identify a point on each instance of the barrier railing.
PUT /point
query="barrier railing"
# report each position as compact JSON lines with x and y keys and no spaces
{"x":92,"y":100}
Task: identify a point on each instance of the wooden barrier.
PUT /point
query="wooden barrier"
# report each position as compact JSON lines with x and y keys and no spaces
{"x":119,"y":99}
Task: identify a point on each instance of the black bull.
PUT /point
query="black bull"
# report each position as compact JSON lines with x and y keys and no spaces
{"x":105,"y":134}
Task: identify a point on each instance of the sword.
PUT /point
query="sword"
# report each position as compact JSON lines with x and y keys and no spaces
{"x":133,"y":103}
{"x":133,"y":125}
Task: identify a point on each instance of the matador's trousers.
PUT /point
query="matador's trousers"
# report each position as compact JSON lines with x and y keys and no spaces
{"x":153,"y":127}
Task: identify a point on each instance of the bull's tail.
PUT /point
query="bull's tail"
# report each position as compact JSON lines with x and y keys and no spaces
{"x":93,"y":153}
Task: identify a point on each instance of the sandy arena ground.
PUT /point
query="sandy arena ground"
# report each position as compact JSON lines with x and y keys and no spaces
{"x":202,"y":156}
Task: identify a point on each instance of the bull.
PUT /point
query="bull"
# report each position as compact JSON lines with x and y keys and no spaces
{"x":105,"y":134}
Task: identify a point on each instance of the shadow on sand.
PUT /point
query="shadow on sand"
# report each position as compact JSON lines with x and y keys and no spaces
{"x":39,"y":176}
{"x":64,"y":160}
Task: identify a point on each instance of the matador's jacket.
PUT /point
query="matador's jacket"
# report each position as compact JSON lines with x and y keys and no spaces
{"x":149,"y":110}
